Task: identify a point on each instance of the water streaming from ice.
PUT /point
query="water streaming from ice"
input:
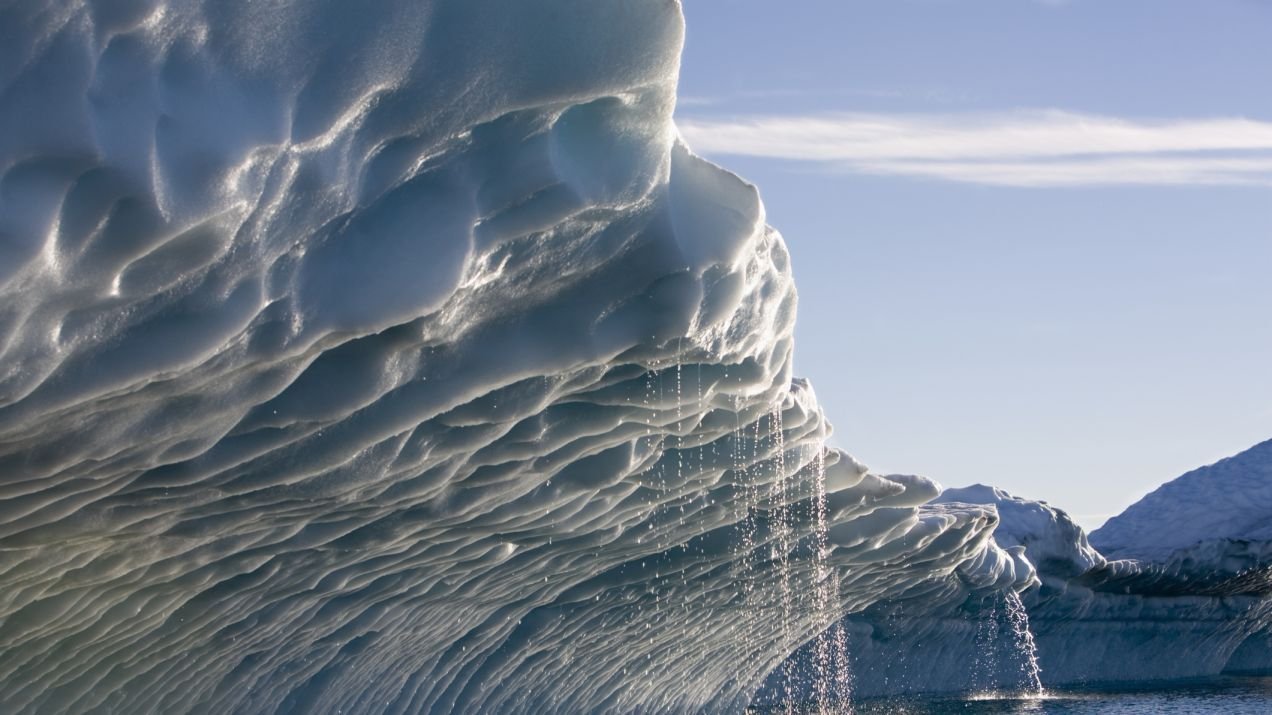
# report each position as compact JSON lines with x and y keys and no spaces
{"x":984,"y":678}
{"x":1024,"y":643}
{"x":833,"y":677}
{"x":1006,"y":660}
{"x":781,"y":524}
{"x":752,"y":559}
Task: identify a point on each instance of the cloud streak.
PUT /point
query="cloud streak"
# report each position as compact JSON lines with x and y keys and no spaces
{"x":1024,"y":148}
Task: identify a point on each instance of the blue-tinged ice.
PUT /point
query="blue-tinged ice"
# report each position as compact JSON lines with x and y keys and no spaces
{"x":401,"y":358}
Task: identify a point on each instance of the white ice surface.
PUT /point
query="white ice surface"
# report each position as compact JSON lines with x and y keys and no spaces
{"x":1052,"y":541}
{"x":398,"y":358}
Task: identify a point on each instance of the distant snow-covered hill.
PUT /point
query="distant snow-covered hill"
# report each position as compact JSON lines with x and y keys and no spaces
{"x":1228,"y":500}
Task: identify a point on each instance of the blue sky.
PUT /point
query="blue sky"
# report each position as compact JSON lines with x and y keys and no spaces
{"x":1032,"y":240}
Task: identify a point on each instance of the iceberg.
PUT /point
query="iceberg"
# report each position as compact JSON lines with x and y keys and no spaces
{"x":1177,"y":586}
{"x":407,"y":359}
{"x":404,"y":359}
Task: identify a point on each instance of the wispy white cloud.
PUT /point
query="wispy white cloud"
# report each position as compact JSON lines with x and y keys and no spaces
{"x":1024,"y":148}
{"x":745,"y":95}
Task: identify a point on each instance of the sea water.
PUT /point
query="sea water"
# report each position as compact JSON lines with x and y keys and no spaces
{"x":1229,"y":695}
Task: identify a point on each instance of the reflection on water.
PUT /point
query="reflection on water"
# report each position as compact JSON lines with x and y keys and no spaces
{"x":1229,"y":695}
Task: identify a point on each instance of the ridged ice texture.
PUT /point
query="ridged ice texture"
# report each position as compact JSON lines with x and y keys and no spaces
{"x":397,"y":358}
{"x":948,"y":632}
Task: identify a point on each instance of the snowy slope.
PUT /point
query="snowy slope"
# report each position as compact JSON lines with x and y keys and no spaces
{"x":399,"y":358}
{"x":1228,"y":500}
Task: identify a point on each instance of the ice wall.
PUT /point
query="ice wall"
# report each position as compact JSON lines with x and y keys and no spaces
{"x":1253,"y":656}
{"x":399,"y":358}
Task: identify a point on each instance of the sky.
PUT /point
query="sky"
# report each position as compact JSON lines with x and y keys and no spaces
{"x":1032,"y":239}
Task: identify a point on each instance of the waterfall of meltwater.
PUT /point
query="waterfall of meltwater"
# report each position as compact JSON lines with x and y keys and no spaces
{"x":984,"y":667}
{"x":1024,"y":643}
{"x":781,"y":524}
{"x":822,"y":683}
{"x":832,"y":676}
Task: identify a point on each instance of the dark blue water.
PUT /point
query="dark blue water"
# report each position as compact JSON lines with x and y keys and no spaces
{"x":1231,"y":695}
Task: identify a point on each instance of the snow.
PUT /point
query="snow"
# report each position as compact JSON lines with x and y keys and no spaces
{"x":405,"y":360}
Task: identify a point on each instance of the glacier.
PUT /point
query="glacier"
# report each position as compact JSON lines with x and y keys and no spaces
{"x":406,"y":360}
{"x":1177,"y":586}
